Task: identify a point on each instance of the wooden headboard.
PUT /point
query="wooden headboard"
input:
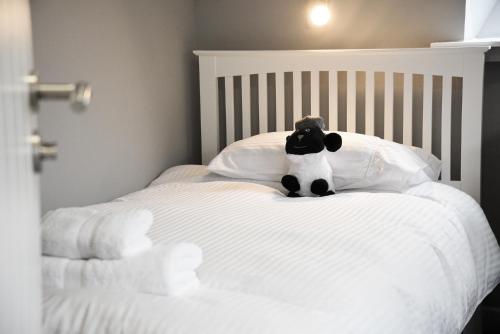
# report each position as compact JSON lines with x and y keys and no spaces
{"x":409,"y":86}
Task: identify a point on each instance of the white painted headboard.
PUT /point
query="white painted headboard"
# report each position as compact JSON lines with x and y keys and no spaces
{"x":452,"y":69}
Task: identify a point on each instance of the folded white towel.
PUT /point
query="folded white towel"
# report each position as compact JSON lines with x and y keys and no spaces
{"x":109,"y":233}
{"x":163,"y":270}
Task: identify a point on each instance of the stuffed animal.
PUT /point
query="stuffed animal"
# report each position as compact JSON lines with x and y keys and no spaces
{"x":309,"y":172}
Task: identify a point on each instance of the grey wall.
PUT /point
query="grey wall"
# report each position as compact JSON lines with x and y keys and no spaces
{"x":281,"y":24}
{"x":137,"y":55}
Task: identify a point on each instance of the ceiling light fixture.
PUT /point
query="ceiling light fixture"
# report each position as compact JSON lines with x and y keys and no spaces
{"x":319,"y":14}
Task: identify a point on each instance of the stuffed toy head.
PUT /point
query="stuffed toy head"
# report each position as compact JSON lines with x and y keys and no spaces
{"x":309,"y":137}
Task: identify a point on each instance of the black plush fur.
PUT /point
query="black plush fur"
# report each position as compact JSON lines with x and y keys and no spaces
{"x":291,"y":183}
{"x":312,"y":140}
{"x":305,"y":141}
{"x":333,"y":141}
{"x":319,"y":187}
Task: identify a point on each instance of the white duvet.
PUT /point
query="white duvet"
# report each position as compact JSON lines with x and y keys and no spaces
{"x":355,"y":262}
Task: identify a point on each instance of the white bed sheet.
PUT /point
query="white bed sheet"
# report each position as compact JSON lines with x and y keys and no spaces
{"x":356,"y":262}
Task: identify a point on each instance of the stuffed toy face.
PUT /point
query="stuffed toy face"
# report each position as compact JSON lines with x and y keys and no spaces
{"x":305,"y":141}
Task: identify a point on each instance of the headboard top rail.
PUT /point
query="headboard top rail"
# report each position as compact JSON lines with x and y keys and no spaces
{"x":403,"y":51}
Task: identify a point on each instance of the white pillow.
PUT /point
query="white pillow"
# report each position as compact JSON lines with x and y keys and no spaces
{"x":362,"y":162}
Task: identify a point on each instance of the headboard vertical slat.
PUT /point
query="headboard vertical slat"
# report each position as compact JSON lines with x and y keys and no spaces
{"x":472,"y":98}
{"x":351,"y":101}
{"x":262,"y":102}
{"x":333,"y":114}
{"x":370,"y":103}
{"x":427,"y":114}
{"x":315,"y":93}
{"x":280,"y":101}
{"x":446,"y":129}
{"x":297,"y":96}
{"x":246,"y":121}
{"x":407,"y":108}
{"x":465,"y":64}
{"x":389,"y":106}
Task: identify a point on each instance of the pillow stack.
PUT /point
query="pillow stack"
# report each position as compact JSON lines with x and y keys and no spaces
{"x":363,"y":162}
{"x":106,"y":246}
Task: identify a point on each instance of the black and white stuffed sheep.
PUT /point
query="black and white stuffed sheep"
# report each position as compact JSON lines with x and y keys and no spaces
{"x":309,"y":172}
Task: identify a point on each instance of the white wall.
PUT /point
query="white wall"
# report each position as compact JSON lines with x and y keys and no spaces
{"x":491,"y":28}
{"x":476,"y":13}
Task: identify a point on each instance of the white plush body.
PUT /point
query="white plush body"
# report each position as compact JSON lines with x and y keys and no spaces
{"x":309,"y":167}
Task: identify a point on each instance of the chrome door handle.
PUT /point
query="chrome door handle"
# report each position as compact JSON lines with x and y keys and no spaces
{"x":42,"y":151}
{"x":79,"y":94}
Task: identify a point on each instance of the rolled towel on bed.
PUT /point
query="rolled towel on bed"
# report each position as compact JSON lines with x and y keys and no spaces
{"x":163,"y":270}
{"x":82,"y":233}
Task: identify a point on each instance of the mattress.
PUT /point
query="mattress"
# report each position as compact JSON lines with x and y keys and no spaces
{"x":355,"y":262}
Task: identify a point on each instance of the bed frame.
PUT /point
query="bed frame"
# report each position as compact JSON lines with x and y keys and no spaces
{"x":451,"y":81}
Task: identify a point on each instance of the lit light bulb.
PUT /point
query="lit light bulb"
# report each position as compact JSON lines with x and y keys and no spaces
{"x":319,"y":14}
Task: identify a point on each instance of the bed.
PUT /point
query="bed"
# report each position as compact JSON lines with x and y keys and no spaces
{"x":361,"y":261}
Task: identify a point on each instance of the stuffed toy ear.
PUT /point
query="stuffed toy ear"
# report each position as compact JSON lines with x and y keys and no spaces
{"x":333,"y":141}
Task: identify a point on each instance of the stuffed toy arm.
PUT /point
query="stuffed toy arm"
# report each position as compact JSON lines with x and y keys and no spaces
{"x":333,"y":141}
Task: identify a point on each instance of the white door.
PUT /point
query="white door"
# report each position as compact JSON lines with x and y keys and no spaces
{"x":20,"y":283}
{"x":21,"y":154}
